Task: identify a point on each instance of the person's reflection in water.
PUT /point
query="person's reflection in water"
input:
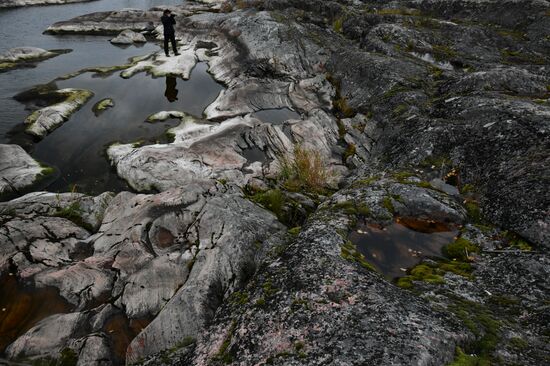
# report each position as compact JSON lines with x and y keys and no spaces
{"x":171,"y":92}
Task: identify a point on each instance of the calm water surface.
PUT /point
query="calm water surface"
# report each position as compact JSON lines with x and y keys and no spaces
{"x":24,"y":26}
{"x":77,"y":148}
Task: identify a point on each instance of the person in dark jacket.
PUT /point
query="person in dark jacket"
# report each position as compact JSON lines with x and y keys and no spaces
{"x":168,"y":22}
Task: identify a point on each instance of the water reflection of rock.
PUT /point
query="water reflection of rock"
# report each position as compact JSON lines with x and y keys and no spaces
{"x":399,"y":246}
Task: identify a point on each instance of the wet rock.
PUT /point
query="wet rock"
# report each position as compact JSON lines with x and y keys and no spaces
{"x":103,"y":105}
{"x":199,"y":151}
{"x":161,"y":65}
{"x":18,"y":170}
{"x":44,"y":120}
{"x":81,"y":284}
{"x":128,"y":36}
{"x":25,"y":57}
{"x":48,"y":337}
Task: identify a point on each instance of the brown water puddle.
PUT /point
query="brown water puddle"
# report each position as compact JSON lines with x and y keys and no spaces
{"x":122,"y":331}
{"x":401,"y":245}
{"x":21,"y":307}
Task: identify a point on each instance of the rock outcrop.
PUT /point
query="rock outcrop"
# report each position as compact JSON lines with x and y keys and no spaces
{"x":129,"y":37}
{"x":147,"y":255}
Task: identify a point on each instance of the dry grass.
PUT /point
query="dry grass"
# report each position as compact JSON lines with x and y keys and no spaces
{"x":304,"y":170}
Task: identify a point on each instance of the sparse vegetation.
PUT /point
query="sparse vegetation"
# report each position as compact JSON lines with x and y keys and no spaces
{"x":223,"y":353}
{"x":305,"y":170}
{"x":460,"y":249}
{"x":73,"y":212}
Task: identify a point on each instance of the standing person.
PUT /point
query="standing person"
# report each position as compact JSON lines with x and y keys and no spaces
{"x":168,"y":22}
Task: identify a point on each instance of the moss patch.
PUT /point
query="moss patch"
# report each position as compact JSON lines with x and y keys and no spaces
{"x":223,"y":353}
{"x":460,"y":249}
{"x":73,"y":213}
{"x":433,"y":272}
{"x":483,"y":324}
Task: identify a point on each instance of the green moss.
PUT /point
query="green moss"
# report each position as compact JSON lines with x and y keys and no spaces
{"x":400,"y":109}
{"x":223,"y":353}
{"x":260,"y":302}
{"x":482,"y":324}
{"x":269,"y":289}
{"x":518,"y":343}
{"x":73,"y":212}
{"x":434,"y":272}
{"x":460,"y":268}
{"x":103,"y":105}
{"x":467,"y":188}
{"x":295,"y":230}
{"x":338,"y":24}
{"x":462,"y":359}
{"x":388,"y":204}
{"x":239,"y":298}
{"x":298,"y":346}
{"x":402,"y":177}
{"x":474,"y":213}
{"x":426,"y":273}
{"x":436,"y":72}
{"x":352,"y":208}
{"x":512,"y":57}
{"x":365,"y":182}
{"x":395,"y":11}
{"x":274,"y":200}
{"x":5,"y":66}
{"x":460,"y":249}
{"x":516,"y":241}
{"x":187,"y":341}
{"x":350,"y":253}
{"x":68,"y":357}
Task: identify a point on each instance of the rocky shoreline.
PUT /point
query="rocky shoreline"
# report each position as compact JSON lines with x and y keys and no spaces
{"x":23,"y":3}
{"x":242,"y":248}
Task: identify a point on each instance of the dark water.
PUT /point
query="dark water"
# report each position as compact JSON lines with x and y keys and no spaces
{"x":77,"y":148}
{"x":22,"y":306}
{"x":401,"y":245}
{"x":24,"y":26}
{"x":254,"y":154}
{"x":276,"y":116}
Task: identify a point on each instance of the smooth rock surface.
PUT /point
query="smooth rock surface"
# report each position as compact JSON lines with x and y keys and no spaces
{"x":18,"y":170}
{"x":128,"y":36}
{"x":46,"y":119}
